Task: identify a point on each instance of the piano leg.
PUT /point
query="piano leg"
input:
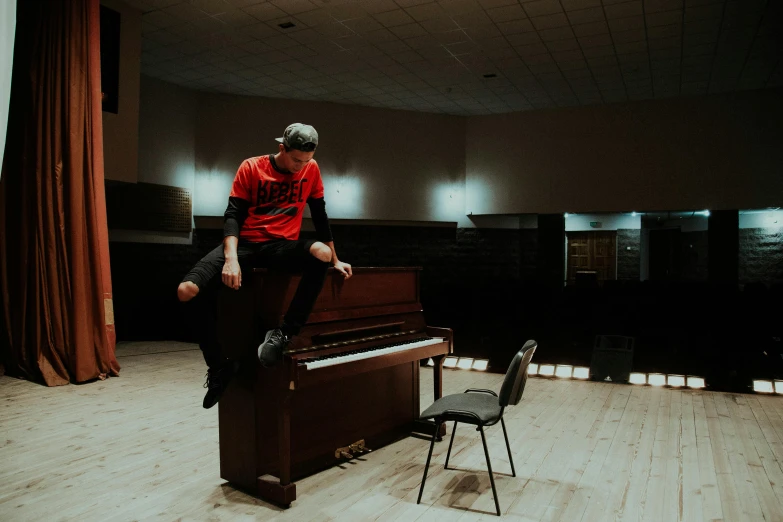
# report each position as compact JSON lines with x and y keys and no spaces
{"x":284,"y":440}
{"x":281,"y":491}
{"x":427,"y":426}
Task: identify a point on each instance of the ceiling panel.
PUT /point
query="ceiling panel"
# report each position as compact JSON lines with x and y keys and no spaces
{"x":464,"y":56}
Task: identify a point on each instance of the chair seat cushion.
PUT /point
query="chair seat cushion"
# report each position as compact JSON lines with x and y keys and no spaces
{"x":486,"y":406}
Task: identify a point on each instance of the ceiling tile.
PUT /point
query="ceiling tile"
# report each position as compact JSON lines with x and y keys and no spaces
{"x":596,"y":52}
{"x":639,"y":46}
{"x":439,"y":25}
{"x":264,"y":12}
{"x":634,"y":35}
{"x":626,"y":24}
{"x":362,"y":25}
{"x":483,"y":32}
{"x":563,"y":45}
{"x":583,"y":16}
{"x":624,"y":10}
{"x":542,"y":7}
{"x":574,"y":57}
{"x":549,"y":21}
{"x":507,"y":13}
{"x":523,"y":39}
{"x":663,"y":18}
{"x":596,"y":40}
{"x":426,"y":12}
{"x":393,"y":18}
{"x":591,"y":29}
{"x":515,"y":26}
{"x":573,"y":5}
{"x":559,"y":33}
{"x":704,"y":12}
{"x":657,"y":6}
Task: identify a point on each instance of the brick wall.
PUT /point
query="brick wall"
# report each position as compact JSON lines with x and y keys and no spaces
{"x":761,"y":255}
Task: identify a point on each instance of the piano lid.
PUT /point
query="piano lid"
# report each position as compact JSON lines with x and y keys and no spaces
{"x":370,"y":292}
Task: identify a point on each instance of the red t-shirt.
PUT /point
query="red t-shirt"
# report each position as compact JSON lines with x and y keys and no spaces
{"x":277,"y":199}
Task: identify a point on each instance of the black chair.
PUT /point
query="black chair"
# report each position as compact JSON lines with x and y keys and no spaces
{"x":482,"y":408}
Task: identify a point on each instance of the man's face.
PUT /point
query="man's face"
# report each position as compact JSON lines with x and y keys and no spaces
{"x":294,"y":160}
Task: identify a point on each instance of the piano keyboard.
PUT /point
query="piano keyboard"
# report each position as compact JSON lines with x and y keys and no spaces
{"x":367,"y":353}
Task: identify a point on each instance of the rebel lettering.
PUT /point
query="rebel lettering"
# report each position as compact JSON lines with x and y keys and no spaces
{"x":283,"y":196}
{"x":280,"y":192}
{"x":274,"y":189}
{"x":302,"y":182}
{"x":261,"y":193}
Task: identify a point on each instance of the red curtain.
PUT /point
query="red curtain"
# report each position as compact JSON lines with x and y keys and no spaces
{"x":54,"y":251}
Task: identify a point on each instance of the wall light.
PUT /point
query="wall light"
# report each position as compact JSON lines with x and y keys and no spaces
{"x":763,"y":387}
{"x":450,"y":362}
{"x":345,"y":196}
{"x":480,"y":364}
{"x":638,"y":378}
{"x":656,"y":379}
{"x":465,"y":363}
{"x":546,"y":369}
{"x":580,"y":372}
{"x":675,"y":380}
{"x":447,"y":202}
{"x":564,"y":371}
{"x":695,"y":382}
{"x":430,"y":362}
{"x":778,"y":386}
{"x":532,"y":369}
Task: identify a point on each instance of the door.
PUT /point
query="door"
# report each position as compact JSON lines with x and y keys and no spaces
{"x":592,"y":253}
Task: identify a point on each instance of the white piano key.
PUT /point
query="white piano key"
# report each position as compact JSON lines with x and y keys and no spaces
{"x":372,"y":353}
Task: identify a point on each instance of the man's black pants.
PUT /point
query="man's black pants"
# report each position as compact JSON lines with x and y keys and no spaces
{"x":282,"y":254}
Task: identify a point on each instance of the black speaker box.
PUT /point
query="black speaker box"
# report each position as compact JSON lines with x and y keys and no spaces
{"x":612,"y":358}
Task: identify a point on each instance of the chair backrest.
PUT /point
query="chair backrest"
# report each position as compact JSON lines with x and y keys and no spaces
{"x":516,"y":376}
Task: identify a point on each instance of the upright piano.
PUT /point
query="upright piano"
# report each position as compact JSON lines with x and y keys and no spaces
{"x":348,"y":383}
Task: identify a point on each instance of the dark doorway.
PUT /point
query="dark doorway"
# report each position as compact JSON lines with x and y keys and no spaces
{"x":665,"y":254}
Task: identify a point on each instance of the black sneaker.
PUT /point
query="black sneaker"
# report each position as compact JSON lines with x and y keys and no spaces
{"x":217,"y":382}
{"x":271,"y":350}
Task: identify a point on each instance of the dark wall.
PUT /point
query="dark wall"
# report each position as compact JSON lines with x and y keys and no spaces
{"x":470,"y":279}
{"x":628,"y":254}
{"x":694,"y":255}
{"x":484,"y":284}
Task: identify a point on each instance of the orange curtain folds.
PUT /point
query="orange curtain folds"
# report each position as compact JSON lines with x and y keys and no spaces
{"x":54,"y":252}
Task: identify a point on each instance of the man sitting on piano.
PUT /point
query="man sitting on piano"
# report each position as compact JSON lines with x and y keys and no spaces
{"x":261,"y":229}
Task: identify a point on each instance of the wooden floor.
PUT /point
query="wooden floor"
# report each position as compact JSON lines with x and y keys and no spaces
{"x":140,"y":447}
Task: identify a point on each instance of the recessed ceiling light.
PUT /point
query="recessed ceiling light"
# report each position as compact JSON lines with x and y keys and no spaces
{"x":490,"y":75}
{"x":286,"y":25}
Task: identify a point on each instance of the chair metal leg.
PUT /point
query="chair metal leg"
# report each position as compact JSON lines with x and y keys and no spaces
{"x":427,"y":466}
{"x":510,"y":458}
{"x":489,"y":467}
{"x":453,"y":431}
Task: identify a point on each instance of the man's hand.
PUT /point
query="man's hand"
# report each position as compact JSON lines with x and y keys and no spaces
{"x":344,"y":269}
{"x":232,"y":274}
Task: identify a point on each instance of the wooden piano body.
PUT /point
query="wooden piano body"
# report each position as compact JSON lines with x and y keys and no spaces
{"x":286,"y":422}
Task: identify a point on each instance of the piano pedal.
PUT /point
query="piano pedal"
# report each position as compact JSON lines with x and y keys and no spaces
{"x":352,"y":450}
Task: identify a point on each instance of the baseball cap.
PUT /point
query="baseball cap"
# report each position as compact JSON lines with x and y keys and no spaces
{"x":300,"y":137}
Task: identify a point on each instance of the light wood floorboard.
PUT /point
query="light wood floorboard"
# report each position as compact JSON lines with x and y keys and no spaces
{"x":140,"y":447}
